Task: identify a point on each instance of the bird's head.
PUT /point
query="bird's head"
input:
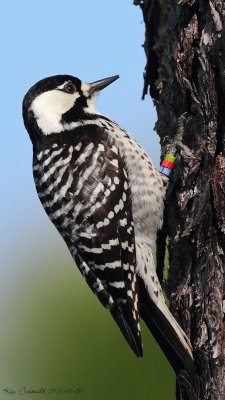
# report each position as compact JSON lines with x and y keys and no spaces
{"x":54,"y":104}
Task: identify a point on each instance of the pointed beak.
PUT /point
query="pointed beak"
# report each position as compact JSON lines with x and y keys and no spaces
{"x":99,"y":85}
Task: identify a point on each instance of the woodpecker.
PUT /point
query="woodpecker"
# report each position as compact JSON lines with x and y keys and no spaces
{"x":106,"y":199}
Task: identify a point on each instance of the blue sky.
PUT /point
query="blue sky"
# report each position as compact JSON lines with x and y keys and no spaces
{"x":88,"y":39}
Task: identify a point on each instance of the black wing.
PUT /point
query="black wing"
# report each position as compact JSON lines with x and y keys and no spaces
{"x":105,"y":249}
{"x":83,"y":186}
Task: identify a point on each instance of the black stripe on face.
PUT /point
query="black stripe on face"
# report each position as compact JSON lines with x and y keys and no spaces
{"x":44,"y":85}
{"x":77,"y":111}
{"x":80,"y":112}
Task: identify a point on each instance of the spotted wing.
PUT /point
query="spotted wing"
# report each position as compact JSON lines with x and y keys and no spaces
{"x":83,"y":186}
{"x":105,"y":250}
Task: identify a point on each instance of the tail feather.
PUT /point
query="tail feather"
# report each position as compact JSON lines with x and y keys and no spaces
{"x":166,"y":331}
{"x":130,"y":334}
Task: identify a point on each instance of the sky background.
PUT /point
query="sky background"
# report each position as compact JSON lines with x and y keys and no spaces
{"x":53,"y":331}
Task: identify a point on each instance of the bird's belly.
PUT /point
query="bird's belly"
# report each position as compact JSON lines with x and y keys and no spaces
{"x":148,"y":187}
{"x":147,"y":209}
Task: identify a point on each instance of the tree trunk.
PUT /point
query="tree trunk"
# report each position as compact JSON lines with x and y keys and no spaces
{"x":185,"y":49}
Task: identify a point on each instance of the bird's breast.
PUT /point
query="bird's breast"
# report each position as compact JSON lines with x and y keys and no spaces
{"x":147,"y":186}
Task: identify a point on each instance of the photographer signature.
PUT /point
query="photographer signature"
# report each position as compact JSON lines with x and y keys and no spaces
{"x":42,"y":390}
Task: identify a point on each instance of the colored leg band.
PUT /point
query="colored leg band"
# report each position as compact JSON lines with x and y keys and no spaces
{"x":167,"y":165}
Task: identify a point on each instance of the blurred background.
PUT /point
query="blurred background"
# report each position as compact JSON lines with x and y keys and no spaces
{"x":54,"y":332}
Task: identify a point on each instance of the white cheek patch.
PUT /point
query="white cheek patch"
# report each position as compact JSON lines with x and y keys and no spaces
{"x":49,"y":107}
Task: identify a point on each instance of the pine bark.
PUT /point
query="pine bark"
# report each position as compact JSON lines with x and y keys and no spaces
{"x":185,"y":71}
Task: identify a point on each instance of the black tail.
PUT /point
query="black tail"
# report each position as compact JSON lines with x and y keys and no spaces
{"x":128,"y":330}
{"x":172,"y":341}
{"x":178,"y":354}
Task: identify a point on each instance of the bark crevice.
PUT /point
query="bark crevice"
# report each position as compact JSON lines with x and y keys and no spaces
{"x":185,"y":73}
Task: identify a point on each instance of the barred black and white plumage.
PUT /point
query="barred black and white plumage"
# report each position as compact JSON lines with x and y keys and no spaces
{"x":105,"y":197}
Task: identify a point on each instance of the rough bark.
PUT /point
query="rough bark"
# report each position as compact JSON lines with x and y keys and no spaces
{"x":185,"y":49}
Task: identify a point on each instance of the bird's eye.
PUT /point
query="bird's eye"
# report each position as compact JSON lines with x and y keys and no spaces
{"x":70,"y":88}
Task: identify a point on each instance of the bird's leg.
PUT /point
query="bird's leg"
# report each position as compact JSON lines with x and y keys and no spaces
{"x":175,"y":145}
